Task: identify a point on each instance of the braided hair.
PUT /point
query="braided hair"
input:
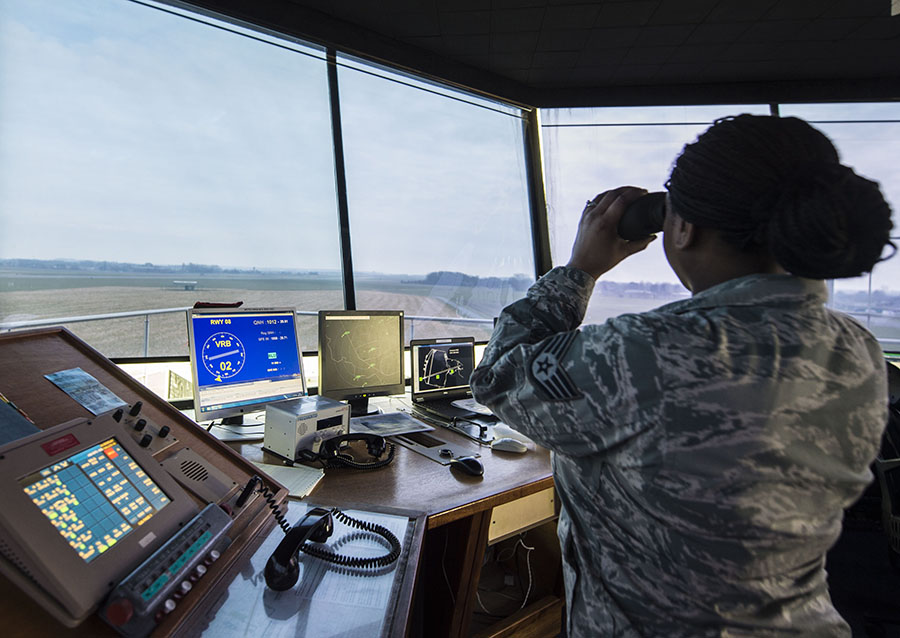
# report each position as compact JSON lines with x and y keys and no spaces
{"x":771,"y":184}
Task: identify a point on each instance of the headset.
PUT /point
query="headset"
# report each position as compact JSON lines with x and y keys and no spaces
{"x":330,"y":454}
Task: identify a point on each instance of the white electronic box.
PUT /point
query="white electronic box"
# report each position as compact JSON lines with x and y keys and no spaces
{"x":303,"y":424}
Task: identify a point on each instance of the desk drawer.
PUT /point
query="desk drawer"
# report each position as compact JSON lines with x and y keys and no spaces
{"x":521,"y":514}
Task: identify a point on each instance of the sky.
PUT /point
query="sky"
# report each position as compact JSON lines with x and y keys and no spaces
{"x":130,"y":134}
{"x":167,"y":141}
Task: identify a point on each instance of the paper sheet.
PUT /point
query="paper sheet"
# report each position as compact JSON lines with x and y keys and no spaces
{"x":85,"y":389}
{"x":299,"y":479}
{"x":388,"y":424}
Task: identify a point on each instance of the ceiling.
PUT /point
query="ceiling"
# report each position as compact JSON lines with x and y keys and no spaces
{"x":613,"y":52}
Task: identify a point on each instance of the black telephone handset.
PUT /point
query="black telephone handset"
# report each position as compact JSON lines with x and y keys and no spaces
{"x":317,"y":525}
{"x":283,"y":567}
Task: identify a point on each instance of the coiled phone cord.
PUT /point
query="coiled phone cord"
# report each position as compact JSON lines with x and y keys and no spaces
{"x":327,"y":555}
{"x":277,"y":512}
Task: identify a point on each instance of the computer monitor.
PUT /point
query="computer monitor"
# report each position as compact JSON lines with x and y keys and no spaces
{"x":441,"y":367}
{"x":243,"y":359}
{"x":360,"y":356}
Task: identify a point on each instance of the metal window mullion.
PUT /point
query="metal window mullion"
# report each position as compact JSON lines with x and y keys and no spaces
{"x":537,"y":197}
{"x":340,"y":183}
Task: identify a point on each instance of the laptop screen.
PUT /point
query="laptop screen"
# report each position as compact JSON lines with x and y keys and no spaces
{"x":441,"y":368}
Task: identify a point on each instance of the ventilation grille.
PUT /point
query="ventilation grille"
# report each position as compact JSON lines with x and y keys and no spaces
{"x":11,"y":556}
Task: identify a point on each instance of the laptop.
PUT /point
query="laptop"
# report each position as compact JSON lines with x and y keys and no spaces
{"x":440,"y":378}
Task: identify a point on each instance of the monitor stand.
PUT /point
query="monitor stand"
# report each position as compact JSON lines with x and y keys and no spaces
{"x":360,"y":407}
{"x":248,"y":427}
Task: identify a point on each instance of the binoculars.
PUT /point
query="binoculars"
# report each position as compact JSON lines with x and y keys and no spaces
{"x":643,"y":217}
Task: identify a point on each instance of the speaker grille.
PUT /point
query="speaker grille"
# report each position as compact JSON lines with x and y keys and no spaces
{"x":194,"y":470}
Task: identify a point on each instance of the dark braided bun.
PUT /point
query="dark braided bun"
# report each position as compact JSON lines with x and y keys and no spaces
{"x":777,"y":185}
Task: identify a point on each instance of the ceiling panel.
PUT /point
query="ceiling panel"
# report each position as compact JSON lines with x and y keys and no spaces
{"x":577,"y":52}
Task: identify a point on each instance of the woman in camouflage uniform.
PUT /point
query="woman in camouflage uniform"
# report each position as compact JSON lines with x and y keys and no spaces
{"x":704,"y":452}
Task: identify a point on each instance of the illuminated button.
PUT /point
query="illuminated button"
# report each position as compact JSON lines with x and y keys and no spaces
{"x":119,"y":612}
{"x":164,"y":431}
{"x":140,"y":424}
{"x":145,"y":440}
{"x":136,"y":408}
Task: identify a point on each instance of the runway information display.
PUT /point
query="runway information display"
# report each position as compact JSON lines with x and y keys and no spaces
{"x":244,"y":359}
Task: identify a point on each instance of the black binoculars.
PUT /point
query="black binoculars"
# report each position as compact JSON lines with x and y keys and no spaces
{"x":643,"y":217}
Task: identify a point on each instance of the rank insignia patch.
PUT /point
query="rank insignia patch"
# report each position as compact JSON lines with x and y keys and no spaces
{"x":546,"y":372}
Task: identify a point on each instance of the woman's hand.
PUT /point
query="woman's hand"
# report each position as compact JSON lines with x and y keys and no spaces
{"x":598,"y":246}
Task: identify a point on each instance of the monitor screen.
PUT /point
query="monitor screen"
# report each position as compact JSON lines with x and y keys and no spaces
{"x":95,"y":497}
{"x":82,"y":504}
{"x":242,"y":359}
{"x":441,"y":367}
{"x":360,"y":355}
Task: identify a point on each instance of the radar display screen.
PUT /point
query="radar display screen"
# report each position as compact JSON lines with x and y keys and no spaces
{"x":95,"y":497}
{"x":442,"y":366}
{"x":362,"y":351}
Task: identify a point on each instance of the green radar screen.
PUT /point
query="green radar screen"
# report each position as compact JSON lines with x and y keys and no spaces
{"x":223,"y":355}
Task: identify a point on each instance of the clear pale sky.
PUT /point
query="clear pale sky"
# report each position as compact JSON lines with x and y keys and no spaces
{"x":127,"y":134}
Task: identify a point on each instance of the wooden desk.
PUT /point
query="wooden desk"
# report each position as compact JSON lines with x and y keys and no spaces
{"x":459,"y":509}
{"x":458,"y":506}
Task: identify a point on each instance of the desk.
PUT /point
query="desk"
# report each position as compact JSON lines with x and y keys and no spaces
{"x":459,"y":509}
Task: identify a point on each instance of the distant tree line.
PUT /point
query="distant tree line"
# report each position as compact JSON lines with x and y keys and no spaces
{"x":448,"y":278}
{"x":617,"y":289}
{"x":81,"y":265}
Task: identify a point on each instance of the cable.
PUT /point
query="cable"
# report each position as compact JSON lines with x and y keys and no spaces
{"x":277,"y":512}
{"x":345,"y":460}
{"x":527,"y":562}
{"x":323,"y":553}
{"x":485,"y":609}
{"x":444,"y":569}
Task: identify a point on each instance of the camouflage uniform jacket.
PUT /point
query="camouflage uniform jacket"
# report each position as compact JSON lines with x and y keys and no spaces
{"x":703,"y":452}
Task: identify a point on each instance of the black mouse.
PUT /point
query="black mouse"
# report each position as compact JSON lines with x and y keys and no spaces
{"x":468,"y":464}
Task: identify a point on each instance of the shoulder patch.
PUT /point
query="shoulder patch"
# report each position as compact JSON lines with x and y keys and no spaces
{"x":549,"y":378}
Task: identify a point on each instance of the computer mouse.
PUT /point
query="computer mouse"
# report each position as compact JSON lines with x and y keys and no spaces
{"x":509,"y":444}
{"x":468,"y":464}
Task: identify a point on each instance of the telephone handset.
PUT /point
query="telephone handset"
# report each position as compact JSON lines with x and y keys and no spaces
{"x":317,"y":525}
{"x":283,"y":567}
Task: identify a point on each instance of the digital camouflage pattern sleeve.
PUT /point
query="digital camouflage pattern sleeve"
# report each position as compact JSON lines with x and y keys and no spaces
{"x":703,"y":452}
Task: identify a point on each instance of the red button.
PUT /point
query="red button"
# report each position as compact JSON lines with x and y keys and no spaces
{"x":119,"y":612}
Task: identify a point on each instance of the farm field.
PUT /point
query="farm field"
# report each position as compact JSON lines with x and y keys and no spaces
{"x":49,"y":295}
{"x":44,"y":295}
